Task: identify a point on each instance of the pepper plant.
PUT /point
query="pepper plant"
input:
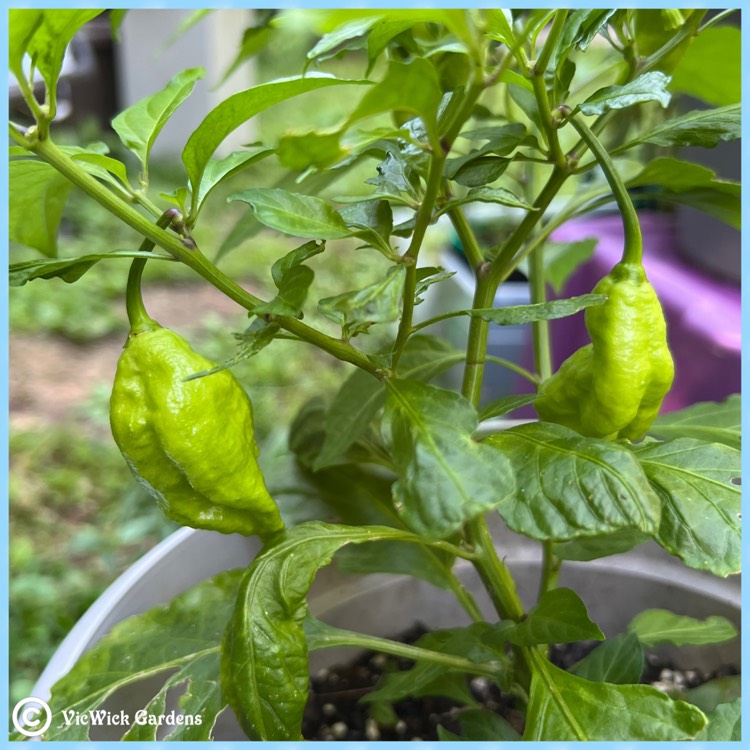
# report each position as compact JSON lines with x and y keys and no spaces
{"x":546,"y":115}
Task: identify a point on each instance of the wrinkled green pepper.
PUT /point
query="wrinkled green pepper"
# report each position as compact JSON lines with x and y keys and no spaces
{"x":613,"y":387}
{"x":189,"y":442}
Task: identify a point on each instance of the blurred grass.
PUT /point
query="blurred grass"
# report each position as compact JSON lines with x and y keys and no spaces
{"x":77,"y":521}
{"x":77,"y":518}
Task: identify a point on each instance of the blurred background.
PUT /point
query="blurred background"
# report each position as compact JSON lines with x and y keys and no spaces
{"x":77,"y":518}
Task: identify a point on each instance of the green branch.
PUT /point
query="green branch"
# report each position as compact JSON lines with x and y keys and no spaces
{"x":336,"y":637}
{"x":187,"y":252}
{"x":140,"y":321}
{"x":424,"y":216}
{"x":505,"y":256}
{"x":633,"y":250}
{"x":540,"y":67}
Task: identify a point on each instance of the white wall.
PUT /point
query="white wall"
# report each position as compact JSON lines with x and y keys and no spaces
{"x":148,"y":56}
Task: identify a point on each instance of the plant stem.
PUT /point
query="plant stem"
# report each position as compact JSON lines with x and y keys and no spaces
{"x":492,"y":570}
{"x":140,"y":320}
{"x":476,"y":347}
{"x":550,"y":569}
{"x":464,"y":598}
{"x":542,"y":348}
{"x":550,"y":43}
{"x":185,"y":251}
{"x":689,"y":28}
{"x":543,"y":359}
{"x":434,"y":180}
{"x":537,"y":72}
{"x":633,"y":241}
{"x":31,"y":101}
{"x":505,"y":257}
{"x":550,"y":131}
{"x":469,"y":243}
{"x":522,"y":371}
{"x":424,"y":214}
{"x":718,"y":18}
{"x":494,"y":573}
{"x":336,"y":637}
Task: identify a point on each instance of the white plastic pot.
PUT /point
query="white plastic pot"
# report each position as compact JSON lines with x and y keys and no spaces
{"x":614,"y":589}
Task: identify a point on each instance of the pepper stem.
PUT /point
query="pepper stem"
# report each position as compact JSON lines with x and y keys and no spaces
{"x":140,"y":320}
{"x":633,"y":250}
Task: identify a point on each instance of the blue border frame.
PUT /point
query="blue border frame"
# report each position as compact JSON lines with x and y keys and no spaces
{"x":4,"y":356}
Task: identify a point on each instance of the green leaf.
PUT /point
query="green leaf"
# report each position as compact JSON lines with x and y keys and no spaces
{"x":353,"y":408}
{"x":570,"y":486}
{"x":522,"y":314}
{"x":500,"y":26}
{"x":292,"y":294}
{"x":709,"y":421}
{"x":116,"y":17}
{"x":377,"y":303}
{"x":295,"y":258}
{"x":254,"y":339}
{"x":488,"y":195}
{"x":675,"y":175}
{"x":301,"y":151}
{"x":692,"y":185}
{"x":93,"y":159}
{"x":446,"y":477}
{"x":307,"y":496}
{"x":140,"y":124}
{"x":241,"y":107}
{"x":192,"y":626}
{"x":254,"y":40}
{"x":481,"y":171}
{"x":405,"y":87}
{"x":564,"y":707}
{"x":714,"y":693}
{"x":22,"y":25}
{"x":362,"y":396}
{"x":596,"y":547}
{"x":481,"y":725}
{"x":372,"y":221}
{"x":99,"y":165}
{"x":651,"y":86}
{"x":218,"y":170}
{"x":395,"y":22}
{"x":558,"y":617}
{"x":522,"y":93}
{"x":399,"y":558}
{"x":479,"y":642}
{"x":348,"y":36}
{"x":50,"y":40}
{"x":701,"y":503}
{"x":395,"y":176}
{"x":264,"y":653}
{"x":618,"y":660}
{"x":502,"y":141}
{"x":294,"y":214}
{"x":204,"y":699}
{"x":293,"y":281}
{"x":69,"y":269}
{"x":656,"y":626}
{"x":39,"y":195}
{"x":579,"y":30}
{"x":561,"y":259}
{"x":724,"y":723}
{"x":710,"y":68}
{"x":701,"y":127}
{"x":505,"y":405}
